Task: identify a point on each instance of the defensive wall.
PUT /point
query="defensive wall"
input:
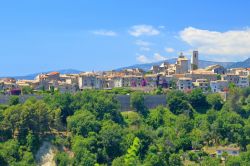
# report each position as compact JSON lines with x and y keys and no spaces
{"x":151,"y":101}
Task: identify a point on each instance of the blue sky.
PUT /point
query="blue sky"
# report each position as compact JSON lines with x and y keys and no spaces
{"x":88,"y":35}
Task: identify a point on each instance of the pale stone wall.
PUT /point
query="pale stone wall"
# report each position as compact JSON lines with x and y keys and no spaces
{"x":151,"y":101}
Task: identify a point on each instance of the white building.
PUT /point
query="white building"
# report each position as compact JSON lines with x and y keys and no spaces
{"x":90,"y":81}
{"x":202,"y":84}
{"x":117,"y":82}
{"x":150,"y":80}
{"x":201,"y":74}
{"x":69,"y":78}
{"x":64,"y":87}
{"x":185,"y":84}
{"x":165,"y":80}
{"x":182,"y":63}
{"x":230,"y":151}
{"x":240,"y":71}
{"x":219,"y":85}
{"x":243,"y":82}
{"x":155,"y":69}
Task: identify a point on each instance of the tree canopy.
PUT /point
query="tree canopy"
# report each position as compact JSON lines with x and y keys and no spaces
{"x":87,"y":128}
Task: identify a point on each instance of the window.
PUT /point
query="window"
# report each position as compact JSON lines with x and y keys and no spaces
{"x":234,"y":152}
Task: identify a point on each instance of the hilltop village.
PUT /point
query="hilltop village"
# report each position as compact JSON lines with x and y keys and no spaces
{"x":181,"y":75}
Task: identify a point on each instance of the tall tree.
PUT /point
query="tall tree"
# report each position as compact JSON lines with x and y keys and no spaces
{"x":131,"y":158}
{"x":138,"y":103}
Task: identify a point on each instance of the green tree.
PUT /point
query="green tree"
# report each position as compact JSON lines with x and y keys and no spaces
{"x":13,"y":100}
{"x":132,"y":118}
{"x":156,"y":117}
{"x":208,"y":161}
{"x":175,"y":160}
{"x":52,"y":89}
{"x":62,"y":159}
{"x":233,"y":161}
{"x":63,"y":102}
{"x":110,"y":138}
{"x":159,"y":91}
{"x":57,"y":119}
{"x":82,"y":122}
{"x":218,"y":77}
{"x":131,"y":158}
{"x":229,"y":126}
{"x":3,"y":161}
{"x":33,"y":142}
{"x":173,"y":84}
{"x":215,"y":101}
{"x":231,"y":86}
{"x":146,"y":136}
{"x":27,"y":159}
{"x":119,"y":161}
{"x":178,"y":104}
{"x":137,"y":102}
{"x":101,"y":104}
{"x":197,"y":99}
{"x":27,"y":90}
{"x":82,"y":155}
{"x":155,"y":159}
{"x":9,"y":152}
{"x":12,"y":118}
{"x":193,"y":156}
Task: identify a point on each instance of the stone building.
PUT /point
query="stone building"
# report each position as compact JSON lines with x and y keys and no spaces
{"x":194,"y":61}
{"x":185,"y":84}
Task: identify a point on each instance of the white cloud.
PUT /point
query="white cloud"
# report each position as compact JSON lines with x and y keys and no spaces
{"x":145,"y":59}
{"x":169,"y":50}
{"x":142,"y":43}
{"x":161,"y":27}
{"x":145,"y":48}
{"x":143,"y":30}
{"x":104,"y":33}
{"x":158,"y":57}
{"x":230,"y":45}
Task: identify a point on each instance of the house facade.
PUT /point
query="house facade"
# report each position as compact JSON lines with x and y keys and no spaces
{"x":185,"y":84}
{"x":219,"y":86}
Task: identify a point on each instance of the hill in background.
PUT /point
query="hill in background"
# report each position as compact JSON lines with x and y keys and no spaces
{"x":147,"y":66}
{"x":244,"y":64}
{"x":32,"y":76}
{"x":202,"y":64}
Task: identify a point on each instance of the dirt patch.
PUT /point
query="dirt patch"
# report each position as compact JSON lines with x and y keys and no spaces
{"x":45,"y":155}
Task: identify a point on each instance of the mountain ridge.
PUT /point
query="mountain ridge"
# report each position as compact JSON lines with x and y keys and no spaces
{"x":147,"y":66}
{"x":33,"y":75}
{"x":202,"y":64}
{"x":244,"y":64}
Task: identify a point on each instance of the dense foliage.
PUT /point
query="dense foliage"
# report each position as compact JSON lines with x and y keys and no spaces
{"x":88,"y":129}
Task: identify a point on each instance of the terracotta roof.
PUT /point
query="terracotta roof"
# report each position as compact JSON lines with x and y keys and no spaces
{"x":201,"y":71}
{"x":53,"y":73}
{"x":185,"y":79}
{"x":178,"y":75}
